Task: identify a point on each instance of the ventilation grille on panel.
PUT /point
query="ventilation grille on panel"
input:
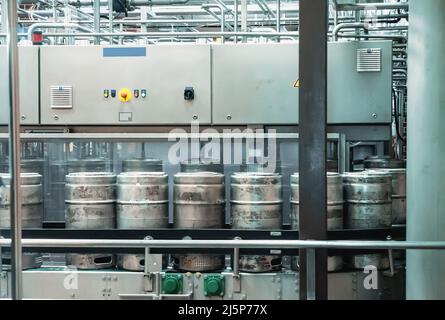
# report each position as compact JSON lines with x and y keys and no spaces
{"x":61,"y":97}
{"x":369,"y":60}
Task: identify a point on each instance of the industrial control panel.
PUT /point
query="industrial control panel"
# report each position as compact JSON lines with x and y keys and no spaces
{"x":28,"y":81}
{"x":255,"y":83}
{"x":163,"y":84}
{"x":359,"y":82}
{"x":259,"y":84}
{"x":223,"y":84}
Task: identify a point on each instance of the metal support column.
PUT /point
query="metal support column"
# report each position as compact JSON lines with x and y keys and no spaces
{"x":96,"y":9}
{"x":425,"y":278}
{"x":235,"y":18}
{"x":278,"y":18}
{"x":110,"y":18}
{"x":244,"y":18}
{"x":14,"y":154}
{"x":3,"y":11}
{"x":313,"y":140}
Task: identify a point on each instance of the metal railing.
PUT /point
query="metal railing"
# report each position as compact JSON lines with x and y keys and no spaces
{"x":311,"y":247}
{"x":229,"y":244}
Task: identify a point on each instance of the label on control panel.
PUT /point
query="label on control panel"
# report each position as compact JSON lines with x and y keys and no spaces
{"x":125,"y":116}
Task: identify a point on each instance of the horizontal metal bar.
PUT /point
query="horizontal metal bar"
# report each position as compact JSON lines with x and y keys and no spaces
{"x":160,"y":234}
{"x":224,"y":244}
{"x":155,"y":136}
{"x":396,"y":233}
{"x":175,"y":34}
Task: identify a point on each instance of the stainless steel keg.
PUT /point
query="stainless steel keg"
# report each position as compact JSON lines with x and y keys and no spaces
{"x":398,"y":194}
{"x":334,"y":205}
{"x":32,"y":200}
{"x":335,"y":263}
{"x":32,"y":212}
{"x":257,"y":203}
{"x":368,"y":206}
{"x":142,"y":203}
{"x":90,"y":204}
{"x":334,"y":212}
{"x":199,"y":200}
{"x":379,"y":261}
{"x":368,"y":200}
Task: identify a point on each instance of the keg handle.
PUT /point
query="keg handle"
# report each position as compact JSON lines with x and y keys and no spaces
{"x":391,"y":259}
{"x":146,"y":255}
{"x":147,"y":274}
{"x":391,"y":263}
{"x":236,"y":274}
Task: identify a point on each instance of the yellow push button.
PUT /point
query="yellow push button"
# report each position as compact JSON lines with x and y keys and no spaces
{"x":124,"y":95}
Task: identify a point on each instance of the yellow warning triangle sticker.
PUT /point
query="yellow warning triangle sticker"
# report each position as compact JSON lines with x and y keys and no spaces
{"x":297,"y":84}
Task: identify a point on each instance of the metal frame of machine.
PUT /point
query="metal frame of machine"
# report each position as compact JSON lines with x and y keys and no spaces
{"x":374,"y":126}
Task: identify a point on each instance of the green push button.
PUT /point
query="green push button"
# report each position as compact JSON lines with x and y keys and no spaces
{"x":214,"y":285}
{"x":172,"y":284}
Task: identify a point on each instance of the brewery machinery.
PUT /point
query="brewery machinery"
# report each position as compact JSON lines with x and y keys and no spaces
{"x":199,"y":140}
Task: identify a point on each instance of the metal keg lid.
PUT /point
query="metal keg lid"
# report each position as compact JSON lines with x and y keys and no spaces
{"x":35,"y":165}
{"x":87,"y":160}
{"x":332,"y":177}
{"x":380,"y":162}
{"x":256,"y":178}
{"x":26,"y":178}
{"x":201,"y":165}
{"x":142,"y":165}
{"x":98,"y":178}
{"x":142,"y":178}
{"x":367,"y":177}
{"x":199,"y":178}
{"x":257,"y":167}
{"x":87,"y":165}
{"x":394,"y":171}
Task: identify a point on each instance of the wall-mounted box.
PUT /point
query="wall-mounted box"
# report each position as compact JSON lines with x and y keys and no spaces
{"x":28,"y":82}
{"x":257,"y":83}
{"x":99,"y":85}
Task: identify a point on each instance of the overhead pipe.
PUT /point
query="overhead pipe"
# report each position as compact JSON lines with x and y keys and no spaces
{"x":265,"y":8}
{"x":177,"y":34}
{"x":137,"y":3}
{"x":60,"y":26}
{"x":222,"y":4}
{"x":370,"y":6}
{"x":404,"y":72}
{"x":382,"y":36}
{"x":222,"y":20}
{"x":269,"y":11}
{"x":352,"y":25}
{"x":176,"y":21}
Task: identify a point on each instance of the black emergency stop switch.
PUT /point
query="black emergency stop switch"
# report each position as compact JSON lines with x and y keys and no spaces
{"x":189,"y":93}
